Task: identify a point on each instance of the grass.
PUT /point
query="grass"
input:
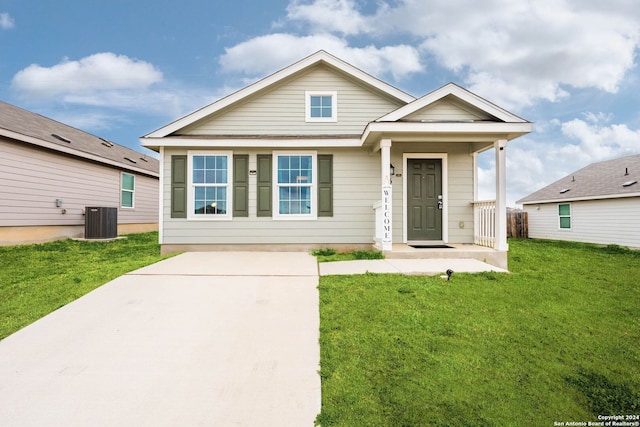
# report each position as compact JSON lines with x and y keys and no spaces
{"x":38,"y":279}
{"x":330,"y":255}
{"x":556,"y":340}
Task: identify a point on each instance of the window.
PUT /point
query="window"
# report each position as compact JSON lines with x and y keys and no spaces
{"x":295,"y":192}
{"x":209,"y":179}
{"x":127,"y":188}
{"x":321,"y":106}
{"x":564,"y":215}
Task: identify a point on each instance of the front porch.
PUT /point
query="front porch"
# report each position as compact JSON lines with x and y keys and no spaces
{"x":454,"y":251}
{"x":483,"y":247}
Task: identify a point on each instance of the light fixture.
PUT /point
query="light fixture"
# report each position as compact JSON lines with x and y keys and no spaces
{"x":392,"y":169}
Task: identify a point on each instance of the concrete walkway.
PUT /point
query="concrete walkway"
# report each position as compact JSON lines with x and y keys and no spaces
{"x":201,"y":339}
{"x":407,"y":266}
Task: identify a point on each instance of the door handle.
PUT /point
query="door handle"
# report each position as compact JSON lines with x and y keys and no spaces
{"x":440,"y":201}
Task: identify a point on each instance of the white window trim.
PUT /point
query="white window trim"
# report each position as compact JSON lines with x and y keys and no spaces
{"x":570,"y":216}
{"x":133,"y":192}
{"x":334,"y":106}
{"x":276,"y":187}
{"x":191,"y":216}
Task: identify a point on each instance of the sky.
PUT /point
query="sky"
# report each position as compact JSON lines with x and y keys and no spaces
{"x":122,"y":69}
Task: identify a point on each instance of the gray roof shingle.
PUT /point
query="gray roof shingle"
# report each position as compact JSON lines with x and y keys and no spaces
{"x":28,"y":124}
{"x":598,"y":180}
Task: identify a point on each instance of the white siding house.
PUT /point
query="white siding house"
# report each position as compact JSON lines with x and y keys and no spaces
{"x":50,"y":172}
{"x":322,"y":154}
{"x":597,"y":204}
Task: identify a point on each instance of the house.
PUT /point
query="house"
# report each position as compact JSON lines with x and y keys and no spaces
{"x":599,"y":203}
{"x":51,"y":172}
{"x":323,"y":154}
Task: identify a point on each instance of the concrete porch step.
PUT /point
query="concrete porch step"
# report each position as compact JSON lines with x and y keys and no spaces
{"x":456,"y":251}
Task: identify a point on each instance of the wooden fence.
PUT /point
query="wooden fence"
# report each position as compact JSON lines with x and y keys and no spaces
{"x":518,"y":224}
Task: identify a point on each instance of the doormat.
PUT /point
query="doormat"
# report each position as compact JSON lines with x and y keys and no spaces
{"x":431,"y":246}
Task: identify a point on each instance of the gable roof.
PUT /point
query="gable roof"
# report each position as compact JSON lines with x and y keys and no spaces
{"x":317,"y":58}
{"x":32,"y":128}
{"x":599,"y":180}
{"x":452,"y":89}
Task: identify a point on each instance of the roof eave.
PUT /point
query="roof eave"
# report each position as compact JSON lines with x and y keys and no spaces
{"x":247,"y":142}
{"x":73,"y":152}
{"x":578,"y":198}
{"x":473,"y":132}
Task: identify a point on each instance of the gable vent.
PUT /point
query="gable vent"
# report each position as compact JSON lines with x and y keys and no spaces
{"x":61,"y":138}
{"x":144,"y":159}
{"x":564,"y":190}
{"x":629,"y":183}
{"x":131,"y":160}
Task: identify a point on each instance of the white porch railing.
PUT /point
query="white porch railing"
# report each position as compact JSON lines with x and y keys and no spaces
{"x":377,"y":208}
{"x":484,"y":219}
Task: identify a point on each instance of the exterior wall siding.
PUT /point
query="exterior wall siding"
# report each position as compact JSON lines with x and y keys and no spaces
{"x":607,"y":221}
{"x":281,"y":110}
{"x":448,"y":110}
{"x":32,"y":179}
{"x":356,"y":187}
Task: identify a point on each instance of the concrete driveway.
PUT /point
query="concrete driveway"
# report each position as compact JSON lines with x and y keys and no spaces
{"x":201,"y":339}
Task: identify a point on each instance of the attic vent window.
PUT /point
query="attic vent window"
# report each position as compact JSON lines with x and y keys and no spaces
{"x":106,"y":143}
{"x":321,"y":106}
{"x":629,"y":183}
{"x":131,"y":160}
{"x":61,"y":138}
{"x":564,"y":190}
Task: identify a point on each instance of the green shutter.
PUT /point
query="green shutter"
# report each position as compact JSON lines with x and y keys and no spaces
{"x":325,"y":185}
{"x":264,"y":185}
{"x":241,"y":185}
{"x":178,"y":186}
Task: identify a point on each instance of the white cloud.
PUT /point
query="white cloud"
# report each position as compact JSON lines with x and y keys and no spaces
{"x":98,"y":90}
{"x":514,"y":53}
{"x":92,"y":74}
{"x":539,"y":159}
{"x":266,"y":54}
{"x":598,"y":142}
{"x":525,"y":171}
{"x":6,"y":21}
{"x":340,"y":16}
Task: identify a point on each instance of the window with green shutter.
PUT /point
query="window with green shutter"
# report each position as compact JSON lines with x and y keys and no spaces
{"x":210,"y":192}
{"x":325,"y":185}
{"x":564,"y":215}
{"x":264,"y":191}
{"x":241,"y":185}
{"x":179,"y":186}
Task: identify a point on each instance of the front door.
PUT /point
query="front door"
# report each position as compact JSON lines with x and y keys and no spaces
{"x":424,"y":198}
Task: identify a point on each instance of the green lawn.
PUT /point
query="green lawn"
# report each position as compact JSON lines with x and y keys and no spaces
{"x":556,"y":340}
{"x":37,"y":279}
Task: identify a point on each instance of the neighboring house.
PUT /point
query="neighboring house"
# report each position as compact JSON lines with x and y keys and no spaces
{"x":50,"y":172}
{"x":322,"y":154}
{"x":597,"y":204}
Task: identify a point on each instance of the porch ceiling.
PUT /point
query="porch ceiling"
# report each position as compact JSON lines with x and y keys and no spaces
{"x":481,"y":133}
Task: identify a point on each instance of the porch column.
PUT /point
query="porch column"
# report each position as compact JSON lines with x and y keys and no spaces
{"x":501,"y":195}
{"x":387,"y":223}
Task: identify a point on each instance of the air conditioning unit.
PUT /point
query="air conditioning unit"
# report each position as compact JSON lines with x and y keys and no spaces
{"x":100,"y":222}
